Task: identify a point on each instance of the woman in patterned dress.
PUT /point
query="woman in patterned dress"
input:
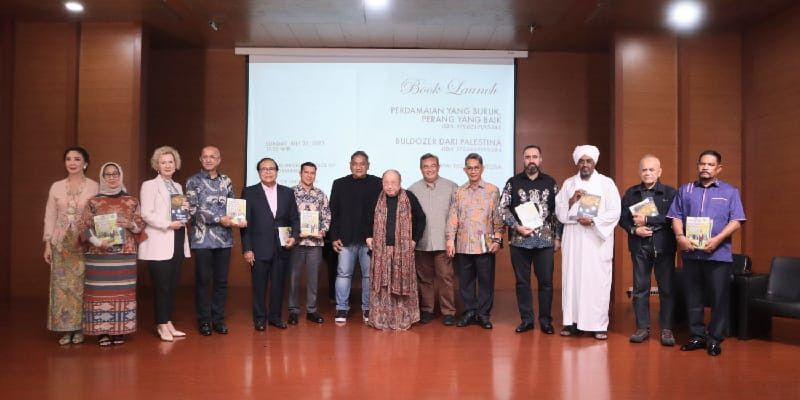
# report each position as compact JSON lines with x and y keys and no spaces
{"x":111,"y":224}
{"x":62,"y":251}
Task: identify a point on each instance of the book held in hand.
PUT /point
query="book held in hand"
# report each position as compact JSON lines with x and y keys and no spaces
{"x":284,"y":233}
{"x":105,"y":228}
{"x":698,"y":230}
{"x":309,"y":223}
{"x":588,"y":206}
{"x":646,"y":207}
{"x":529,"y":215}
{"x":236,"y":209}
{"x":177,"y":212}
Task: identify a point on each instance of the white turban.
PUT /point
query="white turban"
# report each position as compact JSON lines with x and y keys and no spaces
{"x":585,"y":150}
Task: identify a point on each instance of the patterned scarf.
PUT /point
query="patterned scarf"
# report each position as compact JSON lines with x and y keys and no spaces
{"x":396,"y":269}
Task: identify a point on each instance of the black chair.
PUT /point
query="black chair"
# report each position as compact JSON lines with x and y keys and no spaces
{"x":775,"y":295}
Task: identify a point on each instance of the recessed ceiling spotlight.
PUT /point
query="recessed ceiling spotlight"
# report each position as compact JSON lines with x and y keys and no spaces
{"x":376,"y":4}
{"x":73,"y":6}
{"x":685,"y":15}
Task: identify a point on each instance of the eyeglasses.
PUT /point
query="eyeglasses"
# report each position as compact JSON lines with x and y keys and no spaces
{"x":112,"y":175}
{"x":267,"y":169}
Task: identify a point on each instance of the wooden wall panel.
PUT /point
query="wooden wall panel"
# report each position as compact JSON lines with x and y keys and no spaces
{"x":771,"y":85}
{"x":646,"y":121}
{"x":109,"y":97}
{"x":562,"y":101}
{"x":6,"y":95}
{"x":710,"y":99}
{"x":44,"y":122}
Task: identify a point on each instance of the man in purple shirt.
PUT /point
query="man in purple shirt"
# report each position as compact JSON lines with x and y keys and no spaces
{"x":708,"y":261}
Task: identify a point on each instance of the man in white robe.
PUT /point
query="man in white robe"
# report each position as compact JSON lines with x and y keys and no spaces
{"x":587,"y":245}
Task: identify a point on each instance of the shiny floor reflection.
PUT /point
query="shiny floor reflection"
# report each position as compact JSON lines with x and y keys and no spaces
{"x":311,"y":361}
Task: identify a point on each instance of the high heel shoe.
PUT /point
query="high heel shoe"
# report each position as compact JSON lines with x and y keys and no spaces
{"x":173,"y":331}
{"x":163,"y":333}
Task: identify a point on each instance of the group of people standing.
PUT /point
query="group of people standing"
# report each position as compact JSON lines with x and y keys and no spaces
{"x":407,"y":242}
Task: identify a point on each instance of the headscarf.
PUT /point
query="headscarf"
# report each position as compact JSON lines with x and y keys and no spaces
{"x":585,"y":150}
{"x":104,"y":189}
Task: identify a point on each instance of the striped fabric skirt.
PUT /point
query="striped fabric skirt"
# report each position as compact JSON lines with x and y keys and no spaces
{"x":109,"y":297}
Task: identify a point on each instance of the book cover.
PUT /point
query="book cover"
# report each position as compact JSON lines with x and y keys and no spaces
{"x":588,"y":205}
{"x":646,"y":207}
{"x":309,"y":223}
{"x":529,"y":215}
{"x":284,"y":233}
{"x":236,"y":209}
{"x":177,"y":212}
{"x":698,"y":230}
{"x":105,"y":228}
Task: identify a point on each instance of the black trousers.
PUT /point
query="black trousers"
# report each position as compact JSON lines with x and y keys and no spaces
{"x":472,"y":269}
{"x":542,"y":260}
{"x":263,"y":272}
{"x":211,"y":267}
{"x":645,"y":259}
{"x":716,"y":275}
{"x":166,"y":275}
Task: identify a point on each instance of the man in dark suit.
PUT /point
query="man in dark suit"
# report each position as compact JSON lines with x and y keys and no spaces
{"x":269,"y":207}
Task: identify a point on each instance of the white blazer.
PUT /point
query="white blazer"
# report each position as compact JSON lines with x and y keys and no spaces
{"x":155,"y":207}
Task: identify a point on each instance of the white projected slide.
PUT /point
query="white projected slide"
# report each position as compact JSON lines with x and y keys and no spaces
{"x":323,"y":112}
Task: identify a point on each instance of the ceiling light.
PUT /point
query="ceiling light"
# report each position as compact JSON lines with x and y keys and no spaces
{"x":376,"y":4}
{"x":73,"y":6}
{"x":685,"y":15}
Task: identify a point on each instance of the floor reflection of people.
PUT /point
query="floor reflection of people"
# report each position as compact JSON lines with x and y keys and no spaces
{"x":584,"y":372}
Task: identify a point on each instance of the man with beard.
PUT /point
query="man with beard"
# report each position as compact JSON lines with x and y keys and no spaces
{"x":589,"y":206}
{"x":532,"y":245}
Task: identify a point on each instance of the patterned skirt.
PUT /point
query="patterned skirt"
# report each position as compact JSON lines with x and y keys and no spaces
{"x":389,"y":311}
{"x":109,"y":301}
{"x":65,"y":308}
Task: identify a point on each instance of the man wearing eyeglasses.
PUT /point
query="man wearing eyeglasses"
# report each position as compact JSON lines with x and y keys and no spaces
{"x":207,"y":193}
{"x":270,"y":208}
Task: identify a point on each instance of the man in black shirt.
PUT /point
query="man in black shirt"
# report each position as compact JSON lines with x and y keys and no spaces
{"x":353,"y":198}
{"x":652,"y":244}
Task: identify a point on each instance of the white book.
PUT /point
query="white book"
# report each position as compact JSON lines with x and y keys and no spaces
{"x":698,"y":230}
{"x":284,"y":233}
{"x":309,"y":223}
{"x":236,"y":209}
{"x":529,"y":215}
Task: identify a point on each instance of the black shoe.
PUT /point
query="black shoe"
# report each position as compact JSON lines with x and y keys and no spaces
{"x":205,"y":329}
{"x":277,"y":323}
{"x":466,"y":319}
{"x":260,"y":325}
{"x":292,"y":319}
{"x":341,"y":317}
{"x":484,"y":322}
{"x":694,"y":344}
{"x":314,"y":317}
{"x":448,"y":320}
{"x":714,"y":349}
{"x":425,"y":317}
{"x":220,"y":328}
{"x":524,"y":327}
{"x":548,"y":329}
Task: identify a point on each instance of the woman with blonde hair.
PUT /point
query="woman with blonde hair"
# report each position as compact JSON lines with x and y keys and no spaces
{"x":112,"y":226}
{"x":62,"y":251}
{"x":167,"y":243}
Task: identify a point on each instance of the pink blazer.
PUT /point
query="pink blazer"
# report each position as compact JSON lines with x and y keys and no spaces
{"x":155,"y":206}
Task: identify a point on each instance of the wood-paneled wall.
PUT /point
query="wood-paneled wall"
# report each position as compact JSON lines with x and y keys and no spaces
{"x":674,"y":98}
{"x":6,"y":111}
{"x":771,"y":92}
{"x":72,"y":85}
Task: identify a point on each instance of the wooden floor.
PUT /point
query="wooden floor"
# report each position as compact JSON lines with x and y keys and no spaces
{"x":310,"y":361}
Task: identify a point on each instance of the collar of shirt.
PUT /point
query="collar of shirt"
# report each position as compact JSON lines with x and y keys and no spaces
{"x":206,"y":175}
{"x":657,"y":188}
{"x":479,"y":185}
{"x":309,"y":190}
{"x":699,"y":184}
{"x":431,"y":185}
{"x":267,"y":189}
